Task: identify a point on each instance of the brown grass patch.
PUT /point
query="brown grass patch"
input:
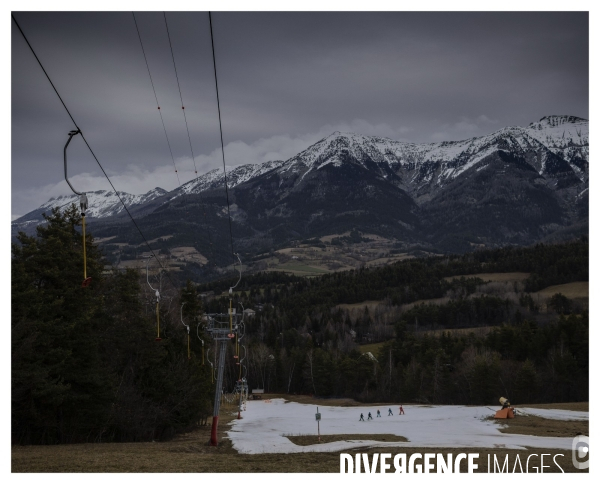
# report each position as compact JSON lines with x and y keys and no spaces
{"x":543,"y":427}
{"x":373,"y":347}
{"x":576,"y":406}
{"x":571,"y":290}
{"x":152,"y":457}
{"x":314,"y":439}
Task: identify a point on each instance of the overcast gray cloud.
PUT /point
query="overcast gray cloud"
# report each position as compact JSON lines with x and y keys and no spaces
{"x":285,"y":80}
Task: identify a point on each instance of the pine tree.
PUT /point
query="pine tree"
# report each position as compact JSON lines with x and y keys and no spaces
{"x":54,"y":357}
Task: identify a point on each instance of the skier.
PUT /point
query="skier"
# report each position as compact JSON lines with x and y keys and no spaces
{"x":390,"y":412}
{"x":370,"y":417}
{"x":401,"y":410}
{"x":378,"y":413}
{"x":361,"y":418}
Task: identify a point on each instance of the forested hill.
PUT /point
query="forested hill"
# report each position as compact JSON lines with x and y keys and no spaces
{"x":422,"y":278}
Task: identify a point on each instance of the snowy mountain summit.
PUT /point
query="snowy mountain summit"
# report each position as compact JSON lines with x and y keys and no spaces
{"x":421,"y":169}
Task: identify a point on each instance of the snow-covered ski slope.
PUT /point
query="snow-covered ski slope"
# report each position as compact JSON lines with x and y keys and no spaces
{"x":265,"y":425}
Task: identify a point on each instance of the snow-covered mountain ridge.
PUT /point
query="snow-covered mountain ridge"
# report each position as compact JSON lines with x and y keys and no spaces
{"x":428,"y":166}
{"x":556,"y":147}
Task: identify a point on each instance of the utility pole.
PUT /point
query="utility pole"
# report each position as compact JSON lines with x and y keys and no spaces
{"x":390,"y":392}
{"x":318,"y":418}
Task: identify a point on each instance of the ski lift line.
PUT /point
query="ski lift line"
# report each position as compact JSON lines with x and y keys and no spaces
{"x":88,"y":145}
{"x":212,"y":43}
{"x":165,"y":130}
{"x":156,"y":97}
{"x":180,"y":95}
{"x":188,"y":132}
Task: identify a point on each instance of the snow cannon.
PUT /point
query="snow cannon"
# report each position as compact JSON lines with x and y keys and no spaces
{"x":506,"y":411}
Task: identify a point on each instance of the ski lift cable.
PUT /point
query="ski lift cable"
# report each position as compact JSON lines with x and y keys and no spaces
{"x":180,"y":95}
{"x":188,"y":133}
{"x":88,"y":146}
{"x":156,"y":97}
{"x":212,"y":42}
{"x":180,"y":185}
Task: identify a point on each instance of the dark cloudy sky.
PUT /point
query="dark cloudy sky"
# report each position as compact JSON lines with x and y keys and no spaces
{"x":285,"y":80}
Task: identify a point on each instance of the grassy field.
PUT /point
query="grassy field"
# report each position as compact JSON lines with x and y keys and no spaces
{"x":372,"y":347}
{"x":299,"y":269}
{"x":571,"y":290}
{"x":172,"y":457}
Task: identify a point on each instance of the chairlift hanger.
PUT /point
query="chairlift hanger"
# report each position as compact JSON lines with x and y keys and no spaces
{"x":231,"y":334}
{"x":83,"y":205}
{"x":188,"y":332}
{"x":202,"y":341}
{"x":157,"y":294}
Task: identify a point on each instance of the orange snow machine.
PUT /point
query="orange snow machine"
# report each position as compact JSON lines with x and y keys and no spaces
{"x":506,"y":411}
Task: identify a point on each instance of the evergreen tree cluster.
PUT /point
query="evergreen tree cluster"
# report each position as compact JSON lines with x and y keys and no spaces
{"x":85,"y":366}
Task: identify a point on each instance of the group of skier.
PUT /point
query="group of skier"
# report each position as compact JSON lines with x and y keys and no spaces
{"x":390,"y":413}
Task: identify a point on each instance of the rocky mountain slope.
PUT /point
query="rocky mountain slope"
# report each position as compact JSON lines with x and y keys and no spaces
{"x":518,"y":185}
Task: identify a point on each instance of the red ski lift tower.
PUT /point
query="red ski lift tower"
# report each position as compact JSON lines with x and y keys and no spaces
{"x":223,"y":328}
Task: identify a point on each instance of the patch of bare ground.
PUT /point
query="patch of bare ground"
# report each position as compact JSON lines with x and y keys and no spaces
{"x":152,"y":457}
{"x":314,"y":439}
{"x":543,"y":427}
{"x":576,"y":406}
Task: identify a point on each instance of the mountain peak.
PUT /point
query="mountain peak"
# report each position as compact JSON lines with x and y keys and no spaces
{"x":556,"y":120}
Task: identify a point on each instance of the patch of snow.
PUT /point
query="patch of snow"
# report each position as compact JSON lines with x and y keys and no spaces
{"x":264,"y":426}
